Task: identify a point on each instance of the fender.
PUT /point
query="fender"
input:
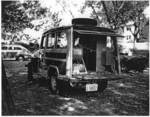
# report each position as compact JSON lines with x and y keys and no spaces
{"x":52,"y":69}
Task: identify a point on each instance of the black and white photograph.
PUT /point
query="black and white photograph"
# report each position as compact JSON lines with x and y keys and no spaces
{"x":75,"y":57}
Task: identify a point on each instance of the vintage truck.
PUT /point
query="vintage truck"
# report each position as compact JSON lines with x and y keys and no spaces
{"x":76,"y":56}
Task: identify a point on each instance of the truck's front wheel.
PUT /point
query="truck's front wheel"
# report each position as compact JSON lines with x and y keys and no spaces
{"x":102,"y":85}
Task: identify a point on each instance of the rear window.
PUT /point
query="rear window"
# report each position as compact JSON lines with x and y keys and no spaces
{"x":62,"y":40}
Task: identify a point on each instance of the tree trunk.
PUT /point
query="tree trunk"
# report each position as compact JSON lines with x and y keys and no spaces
{"x":117,"y":55}
{"x":135,"y":40}
{"x":8,"y":107}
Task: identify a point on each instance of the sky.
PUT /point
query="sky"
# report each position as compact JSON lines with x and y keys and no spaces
{"x":147,"y":12}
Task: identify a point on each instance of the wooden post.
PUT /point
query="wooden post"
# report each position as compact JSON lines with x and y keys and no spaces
{"x":101,"y":44}
{"x":69,"y":52}
{"x":117,"y":54}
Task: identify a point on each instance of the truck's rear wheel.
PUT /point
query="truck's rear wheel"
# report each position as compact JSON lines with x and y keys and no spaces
{"x":53,"y":84}
{"x":102,"y":85}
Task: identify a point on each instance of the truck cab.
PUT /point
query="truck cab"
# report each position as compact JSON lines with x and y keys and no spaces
{"x":78,"y":55}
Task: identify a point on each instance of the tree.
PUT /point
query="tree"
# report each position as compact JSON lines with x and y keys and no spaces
{"x":56,"y":19}
{"x":118,"y":13}
{"x":97,"y":12}
{"x":16,"y":16}
{"x":8,"y":107}
{"x":13,"y":18}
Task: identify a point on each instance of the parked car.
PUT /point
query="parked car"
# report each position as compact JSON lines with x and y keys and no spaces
{"x":15,"y":52}
{"x":71,"y":56}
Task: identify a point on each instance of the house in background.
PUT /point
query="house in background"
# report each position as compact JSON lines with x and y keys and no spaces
{"x":127,"y":43}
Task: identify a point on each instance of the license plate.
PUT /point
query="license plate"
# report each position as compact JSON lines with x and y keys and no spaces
{"x":91,"y":87}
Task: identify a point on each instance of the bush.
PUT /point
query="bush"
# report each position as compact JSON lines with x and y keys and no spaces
{"x":136,"y":63}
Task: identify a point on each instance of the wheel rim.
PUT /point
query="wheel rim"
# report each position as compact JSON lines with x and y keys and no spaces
{"x":20,"y":58}
{"x":53,"y":83}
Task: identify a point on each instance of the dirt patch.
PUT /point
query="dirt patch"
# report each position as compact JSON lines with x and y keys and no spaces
{"x":128,"y":96}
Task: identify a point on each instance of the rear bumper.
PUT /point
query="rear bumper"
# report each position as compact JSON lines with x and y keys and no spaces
{"x":82,"y":84}
{"x":80,"y":81}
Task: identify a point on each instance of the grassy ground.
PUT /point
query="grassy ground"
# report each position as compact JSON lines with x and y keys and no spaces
{"x":129,"y":96}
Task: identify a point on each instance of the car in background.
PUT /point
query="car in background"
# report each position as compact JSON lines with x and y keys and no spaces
{"x":15,"y":52}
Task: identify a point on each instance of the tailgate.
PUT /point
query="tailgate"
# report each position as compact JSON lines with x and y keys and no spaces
{"x":95,"y":76}
{"x":110,"y":77}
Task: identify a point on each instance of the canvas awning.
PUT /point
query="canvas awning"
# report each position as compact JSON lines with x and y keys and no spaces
{"x":97,"y":33}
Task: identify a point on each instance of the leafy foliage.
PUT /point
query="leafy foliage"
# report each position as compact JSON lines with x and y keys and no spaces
{"x":118,"y":13}
{"x":136,"y":63}
{"x":56,"y":19}
{"x":17,"y":16}
{"x":97,"y":12}
{"x":13,"y":18}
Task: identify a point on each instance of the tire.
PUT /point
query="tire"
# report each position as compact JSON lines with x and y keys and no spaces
{"x":102,"y":85}
{"x":20,"y":58}
{"x":113,"y":67}
{"x":53,"y":84}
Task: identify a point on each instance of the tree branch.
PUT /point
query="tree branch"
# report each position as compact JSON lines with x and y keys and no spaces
{"x":65,"y":9}
{"x":121,"y":6}
{"x":106,"y":12}
{"x":95,"y":12}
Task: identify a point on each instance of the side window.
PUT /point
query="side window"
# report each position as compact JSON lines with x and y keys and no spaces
{"x":17,"y":48}
{"x":51,"y":40}
{"x":61,"y":40}
{"x":43,"y":45}
{"x":4,"y":48}
{"x":10,"y":48}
